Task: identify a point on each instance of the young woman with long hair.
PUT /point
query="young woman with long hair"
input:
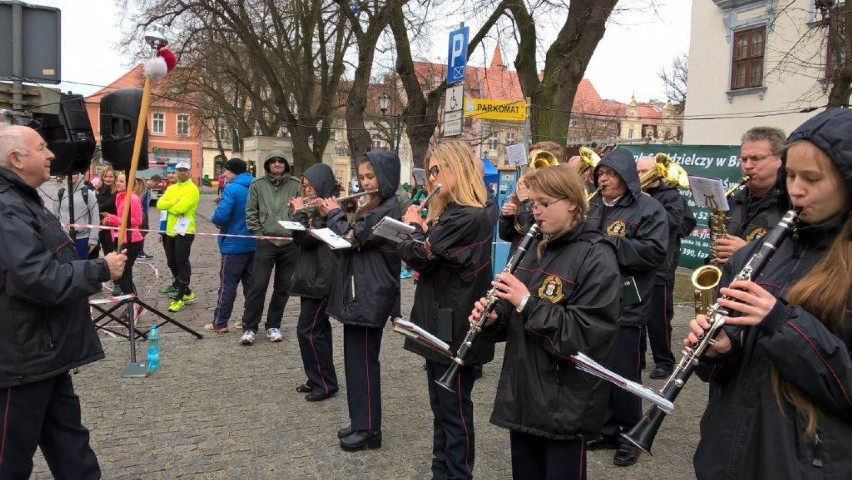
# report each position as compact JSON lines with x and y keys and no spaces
{"x":133,"y":241}
{"x":562,"y":299}
{"x":452,"y":251}
{"x":781,"y":407}
{"x":106,"y":204}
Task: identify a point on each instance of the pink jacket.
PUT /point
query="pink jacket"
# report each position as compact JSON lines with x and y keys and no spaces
{"x":135,"y":216}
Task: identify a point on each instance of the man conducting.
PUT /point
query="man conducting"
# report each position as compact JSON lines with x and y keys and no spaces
{"x":46,"y":329}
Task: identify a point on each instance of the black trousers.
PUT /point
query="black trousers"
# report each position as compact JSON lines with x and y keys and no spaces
{"x":44,"y":414}
{"x":361,"y":348}
{"x":453,"y":438}
{"x":178,"y":249}
{"x":539,"y":458}
{"x":624,"y":409}
{"x":660,"y":325}
{"x":126,"y":279}
{"x":314,"y":333}
{"x":266,"y":257}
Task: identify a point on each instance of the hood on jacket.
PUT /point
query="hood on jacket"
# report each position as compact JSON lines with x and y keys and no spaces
{"x":386,"y":165}
{"x":623,"y":163}
{"x":322,"y":178}
{"x":276,"y":154}
{"x":243,"y":179}
{"x":831,"y":132}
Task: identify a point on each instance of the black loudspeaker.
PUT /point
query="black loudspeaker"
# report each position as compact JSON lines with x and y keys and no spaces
{"x":69,"y":136}
{"x":119,"y":119}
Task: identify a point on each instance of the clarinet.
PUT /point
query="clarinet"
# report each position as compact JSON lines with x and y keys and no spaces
{"x":643,"y":433}
{"x":446,"y":381}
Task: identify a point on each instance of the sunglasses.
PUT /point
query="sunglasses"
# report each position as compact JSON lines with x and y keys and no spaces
{"x":278,"y":160}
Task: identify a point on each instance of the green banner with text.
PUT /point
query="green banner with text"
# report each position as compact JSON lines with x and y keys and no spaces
{"x":713,"y":161}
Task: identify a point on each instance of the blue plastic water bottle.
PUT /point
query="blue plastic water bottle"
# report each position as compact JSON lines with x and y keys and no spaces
{"x":153,"y":348}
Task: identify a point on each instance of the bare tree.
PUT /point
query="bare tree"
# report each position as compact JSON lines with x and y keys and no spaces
{"x":262,"y":64}
{"x":838,"y":18}
{"x":674,"y":81}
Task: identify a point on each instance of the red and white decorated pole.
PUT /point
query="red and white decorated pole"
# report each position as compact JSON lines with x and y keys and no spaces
{"x":161,"y":62}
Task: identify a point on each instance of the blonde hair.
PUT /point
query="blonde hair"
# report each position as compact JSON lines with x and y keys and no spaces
{"x":140,"y":187}
{"x":114,"y":174}
{"x":822,"y":291}
{"x":469,"y":188}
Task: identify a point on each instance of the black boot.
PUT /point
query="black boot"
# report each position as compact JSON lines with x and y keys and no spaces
{"x":360,"y":439}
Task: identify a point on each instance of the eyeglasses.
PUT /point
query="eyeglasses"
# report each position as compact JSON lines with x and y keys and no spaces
{"x":434,"y":171}
{"x":535,"y":205}
{"x":278,"y":160}
{"x":755,"y":158}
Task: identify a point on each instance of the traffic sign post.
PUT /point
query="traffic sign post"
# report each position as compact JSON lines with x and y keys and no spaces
{"x":457,"y":57}
{"x":453,"y":103}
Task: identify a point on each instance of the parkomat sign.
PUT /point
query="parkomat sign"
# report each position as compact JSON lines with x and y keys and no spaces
{"x":487,"y":109}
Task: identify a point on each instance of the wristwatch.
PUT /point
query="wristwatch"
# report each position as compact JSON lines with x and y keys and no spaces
{"x":520,"y":307}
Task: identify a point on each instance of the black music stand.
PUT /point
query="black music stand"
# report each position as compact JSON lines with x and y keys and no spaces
{"x":129,"y":301}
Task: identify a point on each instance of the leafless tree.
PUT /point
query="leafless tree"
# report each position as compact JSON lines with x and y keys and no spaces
{"x":674,"y":80}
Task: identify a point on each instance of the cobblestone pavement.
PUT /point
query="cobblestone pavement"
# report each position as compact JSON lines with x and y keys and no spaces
{"x":217,"y":409}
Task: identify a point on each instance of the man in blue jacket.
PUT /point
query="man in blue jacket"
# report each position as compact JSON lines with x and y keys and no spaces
{"x":237,"y":252}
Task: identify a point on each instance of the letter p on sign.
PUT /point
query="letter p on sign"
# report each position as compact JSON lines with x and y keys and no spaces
{"x":457,"y":57}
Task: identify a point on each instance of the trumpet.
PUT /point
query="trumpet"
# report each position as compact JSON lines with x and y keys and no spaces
{"x":643,"y":433}
{"x":309,"y":207}
{"x":594,"y":194}
{"x":446,"y":381}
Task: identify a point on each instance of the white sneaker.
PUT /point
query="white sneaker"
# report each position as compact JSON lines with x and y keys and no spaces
{"x":238,"y":324}
{"x":247,"y":338}
{"x":274,"y":335}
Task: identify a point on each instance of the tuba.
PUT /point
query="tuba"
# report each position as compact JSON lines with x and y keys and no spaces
{"x":667,"y":170}
{"x":542,"y":159}
{"x":588,"y":159}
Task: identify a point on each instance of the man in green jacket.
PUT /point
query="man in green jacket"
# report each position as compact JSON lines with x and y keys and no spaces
{"x":179,"y":202}
{"x":268,"y":203}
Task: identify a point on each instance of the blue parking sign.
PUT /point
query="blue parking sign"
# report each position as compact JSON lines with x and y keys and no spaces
{"x":457,"y":57}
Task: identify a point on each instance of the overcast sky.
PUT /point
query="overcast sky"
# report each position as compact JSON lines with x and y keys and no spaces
{"x":627,"y":61}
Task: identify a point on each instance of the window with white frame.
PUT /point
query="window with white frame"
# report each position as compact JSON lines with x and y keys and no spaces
{"x":158,"y":123}
{"x":747,"y":58}
{"x":492,"y":142}
{"x":511,"y":138}
{"x":183,"y":125}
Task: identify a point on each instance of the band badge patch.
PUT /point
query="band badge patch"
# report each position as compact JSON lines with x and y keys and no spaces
{"x":616,"y":229}
{"x":551,"y":288}
{"x":756,"y":233}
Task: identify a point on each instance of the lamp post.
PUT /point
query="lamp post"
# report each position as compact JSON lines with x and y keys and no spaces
{"x":384,"y":102}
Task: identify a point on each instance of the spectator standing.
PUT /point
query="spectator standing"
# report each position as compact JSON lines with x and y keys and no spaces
{"x":143,"y":191}
{"x":133,"y":241}
{"x":268,"y":203}
{"x":85,"y":211}
{"x":237,"y":253}
{"x":106,"y":204}
{"x":45,"y":288}
{"x":180,"y":200}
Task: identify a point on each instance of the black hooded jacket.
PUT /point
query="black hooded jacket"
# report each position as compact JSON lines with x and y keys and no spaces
{"x":681,"y":222}
{"x":451,"y":279}
{"x":316,"y":264}
{"x":744,"y":432}
{"x":751,"y":217}
{"x":46,"y":327}
{"x":366,"y":285}
{"x":573,"y":307}
{"x":637,"y":226}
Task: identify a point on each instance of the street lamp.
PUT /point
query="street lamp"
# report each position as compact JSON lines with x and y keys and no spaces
{"x":384,"y":103}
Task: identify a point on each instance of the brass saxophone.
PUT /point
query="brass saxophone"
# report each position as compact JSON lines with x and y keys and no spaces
{"x":706,"y":278}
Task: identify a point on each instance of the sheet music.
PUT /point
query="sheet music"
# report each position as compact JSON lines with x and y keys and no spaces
{"x":516,"y":154}
{"x":708,"y":192}
{"x":333,"y":240}
{"x":291,"y":225}
{"x":393,"y":229}
{"x":406,"y":327}
{"x":586,"y":364}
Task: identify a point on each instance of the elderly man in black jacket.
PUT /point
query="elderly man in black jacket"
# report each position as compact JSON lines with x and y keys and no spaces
{"x":46,"y":329}
{"x":637,"y":227}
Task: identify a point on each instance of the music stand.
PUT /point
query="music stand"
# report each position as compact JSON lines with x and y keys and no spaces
{"x":129,"y":301}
